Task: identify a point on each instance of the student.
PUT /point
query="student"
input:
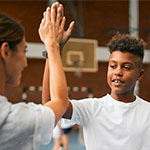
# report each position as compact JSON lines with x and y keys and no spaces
{"x":60,"y":134}
{"x":66,"y":129}
{"x":26,"y":126}
{"x":57,"y":134}
{"x":119,"y":120}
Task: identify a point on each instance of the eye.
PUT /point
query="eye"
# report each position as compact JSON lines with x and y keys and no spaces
{"x":25,"y":51}
{"x":127,"y":67}
{"x":112,"y":66}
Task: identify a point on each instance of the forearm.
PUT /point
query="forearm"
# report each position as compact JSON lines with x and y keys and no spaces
{"x":58,"y":86}
{"x":46,"y":81}
{"x":51,"y":32}
{"x":57,"y":75}
{"x":45,"y":84}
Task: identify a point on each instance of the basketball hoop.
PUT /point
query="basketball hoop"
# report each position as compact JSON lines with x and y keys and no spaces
{"x":79,"y":55}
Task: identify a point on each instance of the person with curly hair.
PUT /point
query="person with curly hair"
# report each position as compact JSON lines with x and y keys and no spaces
{"x":119,"y":120}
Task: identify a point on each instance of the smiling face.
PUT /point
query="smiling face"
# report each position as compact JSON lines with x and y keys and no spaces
{"x":15,"y":62}
{"x":123,"y":72}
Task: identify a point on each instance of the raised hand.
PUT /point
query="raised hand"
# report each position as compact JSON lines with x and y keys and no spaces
{"x":66,"y":34}
{"x":55,"y":16}
{"x":51,"y":32}
{"x":52,"y":25}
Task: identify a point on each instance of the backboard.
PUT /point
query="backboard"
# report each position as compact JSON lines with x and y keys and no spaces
{"x":79,"y":55}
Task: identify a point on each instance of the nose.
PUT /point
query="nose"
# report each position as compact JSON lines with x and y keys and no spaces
{"x":118,"y":71}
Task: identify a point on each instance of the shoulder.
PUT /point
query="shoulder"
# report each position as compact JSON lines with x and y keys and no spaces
{"x":143,"y":106}
{"x":21,"y":113}
{"x":4,"y":102}
{"x":86,"y":109}
{"x":88,"y":102}
{"x":143,"y":102}
{"x":29,"y":119}
{"x":29,"y":114}
{"x":29,"y":107}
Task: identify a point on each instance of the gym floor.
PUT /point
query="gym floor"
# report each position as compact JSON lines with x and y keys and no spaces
{"x":74,"y":143}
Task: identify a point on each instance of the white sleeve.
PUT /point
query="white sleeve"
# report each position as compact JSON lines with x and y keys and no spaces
{"x":45,"y":121}
{"x":82,"y":111}
{"x":25,"y":125}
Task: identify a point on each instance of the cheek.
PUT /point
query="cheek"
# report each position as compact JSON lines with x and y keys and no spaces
{"x":133,"y":81}
{"x":109,"y":73}
{"x":20,"y":61}
{"x":109,"y":77}
{"x":23,"y":61}
{"x":132,"y":76}
{"x":13,"y":68}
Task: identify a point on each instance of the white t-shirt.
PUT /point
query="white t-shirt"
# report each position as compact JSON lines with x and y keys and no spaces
{"x":57,"y":133}
{"x":62,"y":124}
{"x":112,"y":125}
{"x":65,"y":125}
{"x":24,"y":126}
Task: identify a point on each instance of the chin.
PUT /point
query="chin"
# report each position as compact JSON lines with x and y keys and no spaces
{"x":121,"y":92}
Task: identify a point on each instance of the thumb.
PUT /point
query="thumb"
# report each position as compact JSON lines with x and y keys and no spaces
{"x":70,"y":29}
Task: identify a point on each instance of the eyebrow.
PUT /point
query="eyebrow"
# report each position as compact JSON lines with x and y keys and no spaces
{"x":123,"y":62}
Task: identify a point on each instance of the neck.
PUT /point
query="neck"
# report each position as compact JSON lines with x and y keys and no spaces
{"x":2,"y":77}
{"x":127,"y":98}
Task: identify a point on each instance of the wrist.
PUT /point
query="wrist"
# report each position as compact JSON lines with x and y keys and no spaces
{"x":51,"y":47}
{"x":52,"y":44}
{"x":45,"y":54}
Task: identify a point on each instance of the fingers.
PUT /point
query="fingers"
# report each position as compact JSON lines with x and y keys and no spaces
{"x":53,"y":13}
{"x":63,"y":23}
{"x":42,"y":22}
{"x":62,"y":10}
{"x":69,"y":30}
{"x":59,"y":15}
{"x":44,"y":18}
{"x":47,"y":15}
{"x":57,"y":4}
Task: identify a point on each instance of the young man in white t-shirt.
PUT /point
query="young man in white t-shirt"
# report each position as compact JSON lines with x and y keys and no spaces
{"x":120,"y":120}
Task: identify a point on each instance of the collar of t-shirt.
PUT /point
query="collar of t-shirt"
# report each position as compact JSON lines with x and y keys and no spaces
{"x":5,"y":108}
{"x":120,"y":103}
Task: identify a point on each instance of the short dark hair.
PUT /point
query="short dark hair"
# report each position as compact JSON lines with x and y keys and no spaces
{"x":10,"y":31}
{"x":127,"y":43}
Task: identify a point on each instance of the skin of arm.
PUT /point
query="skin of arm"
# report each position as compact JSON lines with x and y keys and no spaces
{"x":46,"y":78}
{"x":51,"y":28}
{"x":45,"y":84}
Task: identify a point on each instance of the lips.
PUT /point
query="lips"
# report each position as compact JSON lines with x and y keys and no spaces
{"x":117,"y":81}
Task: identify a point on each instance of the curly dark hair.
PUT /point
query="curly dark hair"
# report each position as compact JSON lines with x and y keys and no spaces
{"x":127,"y":43}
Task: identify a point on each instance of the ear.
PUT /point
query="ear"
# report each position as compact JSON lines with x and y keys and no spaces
{"x":5,"y":51}
{"x":141,"y":74}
